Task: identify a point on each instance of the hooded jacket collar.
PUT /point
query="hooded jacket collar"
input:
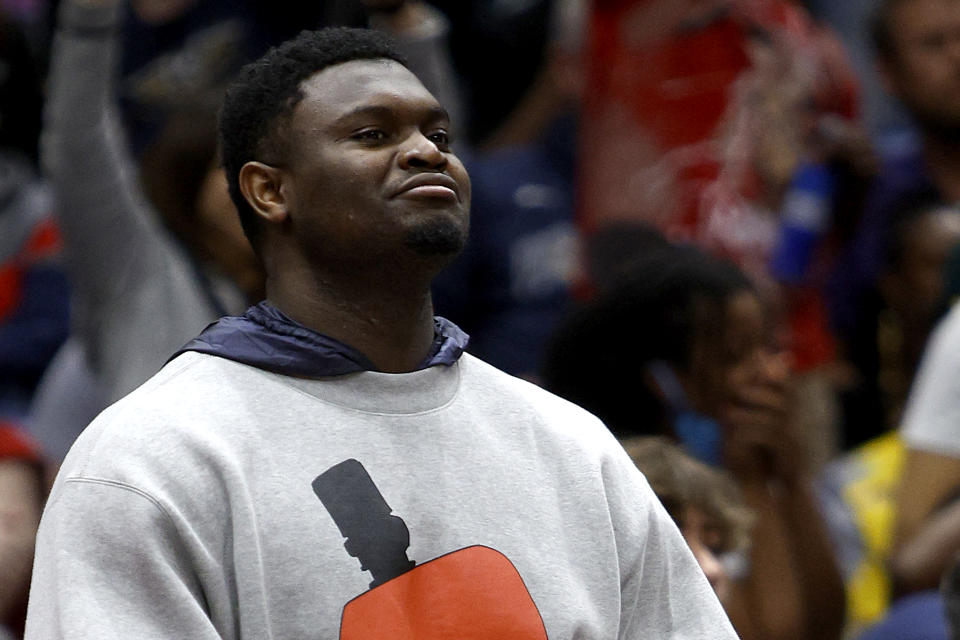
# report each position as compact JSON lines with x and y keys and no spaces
{"x":266,"y":338}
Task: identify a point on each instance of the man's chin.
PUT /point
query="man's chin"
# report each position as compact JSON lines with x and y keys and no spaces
{"x":437,"y":238}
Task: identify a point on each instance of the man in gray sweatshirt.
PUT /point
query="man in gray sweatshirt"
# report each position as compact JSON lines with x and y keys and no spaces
{"x":331,"y":463}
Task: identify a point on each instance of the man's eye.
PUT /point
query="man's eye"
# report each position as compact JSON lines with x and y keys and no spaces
{"x":370,"y":135}
{"x":440,"y":138}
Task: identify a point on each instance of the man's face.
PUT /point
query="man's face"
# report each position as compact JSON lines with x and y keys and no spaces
{"x":371,"y":175}
{"x":924,"y":70}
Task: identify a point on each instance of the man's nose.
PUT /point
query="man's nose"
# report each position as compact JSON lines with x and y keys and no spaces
{"x":420,"y":152}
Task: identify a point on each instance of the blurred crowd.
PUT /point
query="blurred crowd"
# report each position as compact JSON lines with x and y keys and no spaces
{"x":729,"y":228}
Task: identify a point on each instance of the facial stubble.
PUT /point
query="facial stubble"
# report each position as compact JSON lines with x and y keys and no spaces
{"x":438,"y":237}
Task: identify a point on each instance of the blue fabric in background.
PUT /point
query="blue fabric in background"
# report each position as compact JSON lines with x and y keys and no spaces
{"x":919,"y":616}
{"x":510,"y":286}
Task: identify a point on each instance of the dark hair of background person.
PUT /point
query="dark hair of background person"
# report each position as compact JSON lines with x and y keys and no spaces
{"x":666,"y":301}
{"x":259,"y":103}
{"x":614,"y":247}
{"x":20,"y":94}
{"x":173,"y":169}
{"x":882,"y":28}
{"x":178,"y":171}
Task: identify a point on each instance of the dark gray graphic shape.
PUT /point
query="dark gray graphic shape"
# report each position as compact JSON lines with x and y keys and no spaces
{"x":373,"y":536}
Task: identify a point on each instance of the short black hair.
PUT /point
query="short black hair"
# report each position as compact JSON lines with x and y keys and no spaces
{"x":655,"y":310}
{"x":258,"y":104}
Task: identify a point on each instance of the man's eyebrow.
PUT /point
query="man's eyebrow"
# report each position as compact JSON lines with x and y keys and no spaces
{"x":435,"y":112}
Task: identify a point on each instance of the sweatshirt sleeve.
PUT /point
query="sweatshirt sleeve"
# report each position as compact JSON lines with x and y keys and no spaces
{"x":664,"y":594}
{"x":109,"y":565}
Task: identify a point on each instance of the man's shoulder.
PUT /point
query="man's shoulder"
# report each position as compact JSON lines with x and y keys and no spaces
{"x":188,"y":375}
{"x":162,"y":414}
{"x":527,"y":399}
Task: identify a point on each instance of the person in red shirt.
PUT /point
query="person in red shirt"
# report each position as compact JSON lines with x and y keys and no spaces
{"x":700,"y":116}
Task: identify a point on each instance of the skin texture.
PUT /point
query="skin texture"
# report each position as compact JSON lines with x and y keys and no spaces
{"x":348,"y":248}
{"x":725,"y":366}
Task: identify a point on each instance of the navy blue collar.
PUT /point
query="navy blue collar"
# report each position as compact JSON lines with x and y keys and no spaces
{"x":266,"y":338}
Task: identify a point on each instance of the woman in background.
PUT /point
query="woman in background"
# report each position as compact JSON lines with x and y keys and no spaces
{"x":680,"y":346}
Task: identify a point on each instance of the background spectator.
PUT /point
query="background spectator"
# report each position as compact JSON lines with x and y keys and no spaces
{"x":897,"y":316}
{"x":681,"y":346}
{"x":708,"y":509}
{"x":928,"y":515}
{"x":915,"y":43}
{"x":732,"y":125}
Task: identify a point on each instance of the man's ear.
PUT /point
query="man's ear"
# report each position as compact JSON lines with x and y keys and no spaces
{"x":263,"y":188}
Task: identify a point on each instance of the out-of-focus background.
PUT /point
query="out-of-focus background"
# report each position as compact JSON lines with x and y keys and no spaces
{"x":729,"y":228}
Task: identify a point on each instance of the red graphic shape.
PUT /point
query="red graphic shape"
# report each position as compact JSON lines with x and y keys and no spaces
{"x":471,"y":594}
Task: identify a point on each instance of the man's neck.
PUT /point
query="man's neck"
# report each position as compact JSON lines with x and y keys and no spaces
{"x":942,"y":157}
{"x":390,"y":324}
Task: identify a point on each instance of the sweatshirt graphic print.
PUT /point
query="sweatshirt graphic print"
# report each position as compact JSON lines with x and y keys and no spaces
{"x":470,"y":594}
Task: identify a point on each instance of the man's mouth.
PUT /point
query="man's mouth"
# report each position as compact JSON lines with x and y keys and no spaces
{"x":429,"y":185}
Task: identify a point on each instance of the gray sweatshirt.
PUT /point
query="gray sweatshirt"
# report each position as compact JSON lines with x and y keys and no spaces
{"x":214,"y":502}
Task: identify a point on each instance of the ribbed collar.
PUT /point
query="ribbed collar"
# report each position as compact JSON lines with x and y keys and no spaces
{"x":266,"y":338}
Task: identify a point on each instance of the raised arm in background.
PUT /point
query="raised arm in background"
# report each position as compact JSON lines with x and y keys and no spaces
{"x":137,"y":297}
